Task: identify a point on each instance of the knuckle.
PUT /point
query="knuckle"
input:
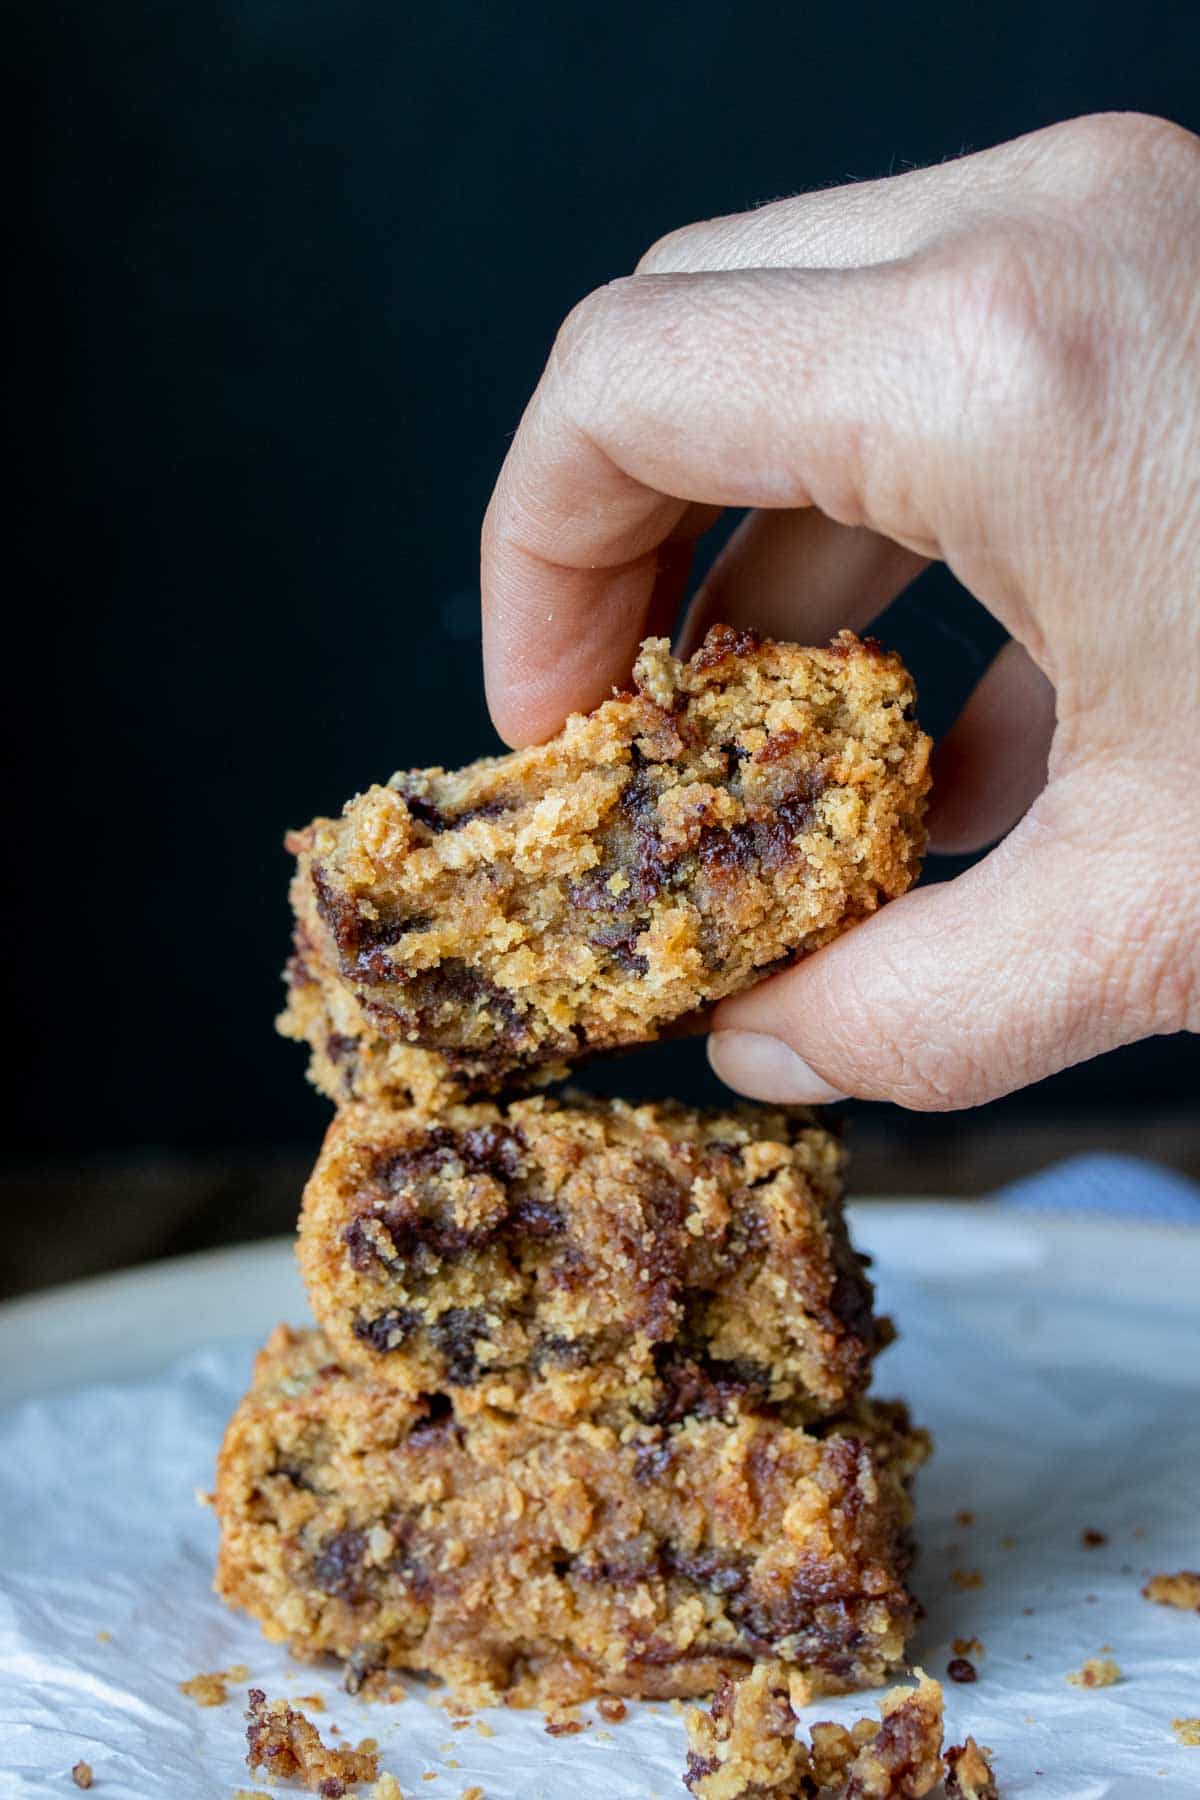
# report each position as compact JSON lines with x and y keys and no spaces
{"x":1113,"y":145}
{"x":1025,"y":331}
{"x":676,"y":251}
{"x":591,"y":323}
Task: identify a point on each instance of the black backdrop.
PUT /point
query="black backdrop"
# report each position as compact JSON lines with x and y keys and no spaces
{"x":291,"y":270}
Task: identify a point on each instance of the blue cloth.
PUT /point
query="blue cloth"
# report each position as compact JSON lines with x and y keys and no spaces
{"x":1107,"y":1185}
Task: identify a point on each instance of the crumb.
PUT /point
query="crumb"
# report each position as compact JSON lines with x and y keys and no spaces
{"x":442,"y":1748}
{"x":104,"y":1637}
{"x":483,"y":1728}
{"x":968,"y":1647}
{"x":1187,"y":1731}
{"x":1092,"y":1539}
{"x":1139,"y":1531}
{"x":1097,"y":1671}
{"x":211,"y":1690}
{"x":314,"y":1702}
{"x":81,"y":1775}
{"x":452,"y":1762}
{"x":602,"y":1737}
{"x":1106,"y":1649}
{"x":959,"y":1669}
{"x":965,"y":1518}
{"x":612,"y":1710}
{"x":563,"y":1727}
{"x":472,"y":1793}
{"x":967,"y":1578}
{"x":676,"y":1705}
{"x":1008,"y":1543}
{"x":1181,"y":1590}
{"x":429,"y":1775}
{"x":747,"y":1744}
{"x":386,"y":1788}
{"x":283,"y":1742}
{"x":460,"y":1724}
{"x":969,"y":1773}
{"x":1027,"y":1611}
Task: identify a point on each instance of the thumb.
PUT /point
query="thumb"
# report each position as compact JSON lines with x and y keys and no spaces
{"x":1049,"y":951}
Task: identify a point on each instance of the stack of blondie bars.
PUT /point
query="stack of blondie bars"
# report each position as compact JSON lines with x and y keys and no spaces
{"x":586,"y":1410}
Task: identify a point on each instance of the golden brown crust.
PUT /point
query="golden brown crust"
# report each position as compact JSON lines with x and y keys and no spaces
{"x":546,"y":1563}
{"x":591,"y":1256}
{"x":457,"y":931}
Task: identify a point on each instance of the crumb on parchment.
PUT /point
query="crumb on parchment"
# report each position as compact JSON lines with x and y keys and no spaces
{"x":282,"y":1742}
{"x":968,"y":1646}
{"x":212,"y":1689}
{"x":1097,"y":1671}
{"x":1181,"y":1590}
{"x":81,"y":1775}
{"x":1187,"y":1731}
{"x":386,"y":1788}
{"x":967,"y":1579}
{"x":747,"y":1744}
{"x":969,"y":1772}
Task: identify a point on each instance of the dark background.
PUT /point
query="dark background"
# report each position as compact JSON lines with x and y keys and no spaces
{"x":287,"y":271}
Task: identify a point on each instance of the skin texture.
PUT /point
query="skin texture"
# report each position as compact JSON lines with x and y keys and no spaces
{"x":995,"y":362}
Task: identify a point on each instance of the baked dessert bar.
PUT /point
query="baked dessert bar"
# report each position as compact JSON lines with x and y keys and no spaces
{"x":582,"y":1255}
{"x":505,"y":919}
{"x":548,"y":1563}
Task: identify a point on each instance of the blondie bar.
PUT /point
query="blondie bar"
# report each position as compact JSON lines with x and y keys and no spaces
{"x":548,"y":1563}
{"x":726,"y":814}
{"x":581,"y":1255}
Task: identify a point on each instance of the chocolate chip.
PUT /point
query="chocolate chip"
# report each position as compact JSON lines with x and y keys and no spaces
{"x":959,"y":1669}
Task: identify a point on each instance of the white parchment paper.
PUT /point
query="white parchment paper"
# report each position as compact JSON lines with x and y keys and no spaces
{"x":1055,"y":1412}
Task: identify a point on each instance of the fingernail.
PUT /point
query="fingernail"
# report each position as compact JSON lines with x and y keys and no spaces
{"x":765,"y":1069}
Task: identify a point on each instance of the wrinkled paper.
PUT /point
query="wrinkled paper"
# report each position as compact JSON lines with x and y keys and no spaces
{"x":1055,"y":1412}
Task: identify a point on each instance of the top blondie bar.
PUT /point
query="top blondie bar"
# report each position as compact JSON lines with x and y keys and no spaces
{"x":463,"y":930}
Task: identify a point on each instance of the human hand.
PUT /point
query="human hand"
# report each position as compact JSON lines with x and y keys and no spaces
{"x":995,"y":362}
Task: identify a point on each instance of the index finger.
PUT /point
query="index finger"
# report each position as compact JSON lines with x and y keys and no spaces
{"x":756,"y":387}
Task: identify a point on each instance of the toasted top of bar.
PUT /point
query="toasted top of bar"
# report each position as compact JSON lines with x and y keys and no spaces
{"x":659,"y":853}
{"x":581,"y":1255}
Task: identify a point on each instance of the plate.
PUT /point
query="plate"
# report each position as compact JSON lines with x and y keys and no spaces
{"x":1056,"y":1360}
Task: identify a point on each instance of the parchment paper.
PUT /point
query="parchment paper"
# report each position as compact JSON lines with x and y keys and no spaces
{"x":1054,"y":1414}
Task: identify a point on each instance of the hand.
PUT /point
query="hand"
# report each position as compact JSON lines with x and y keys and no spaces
{"x":995,"y":362}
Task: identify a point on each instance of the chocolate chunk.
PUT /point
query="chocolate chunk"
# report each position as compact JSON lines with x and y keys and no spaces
{"x":337,"y":1570}
{"x":363,"y":1661}
{"x":723,"y":641}
{"x":456,"y":1332}
{"x":959,"y":1669}
{"x":387,"y":1330}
